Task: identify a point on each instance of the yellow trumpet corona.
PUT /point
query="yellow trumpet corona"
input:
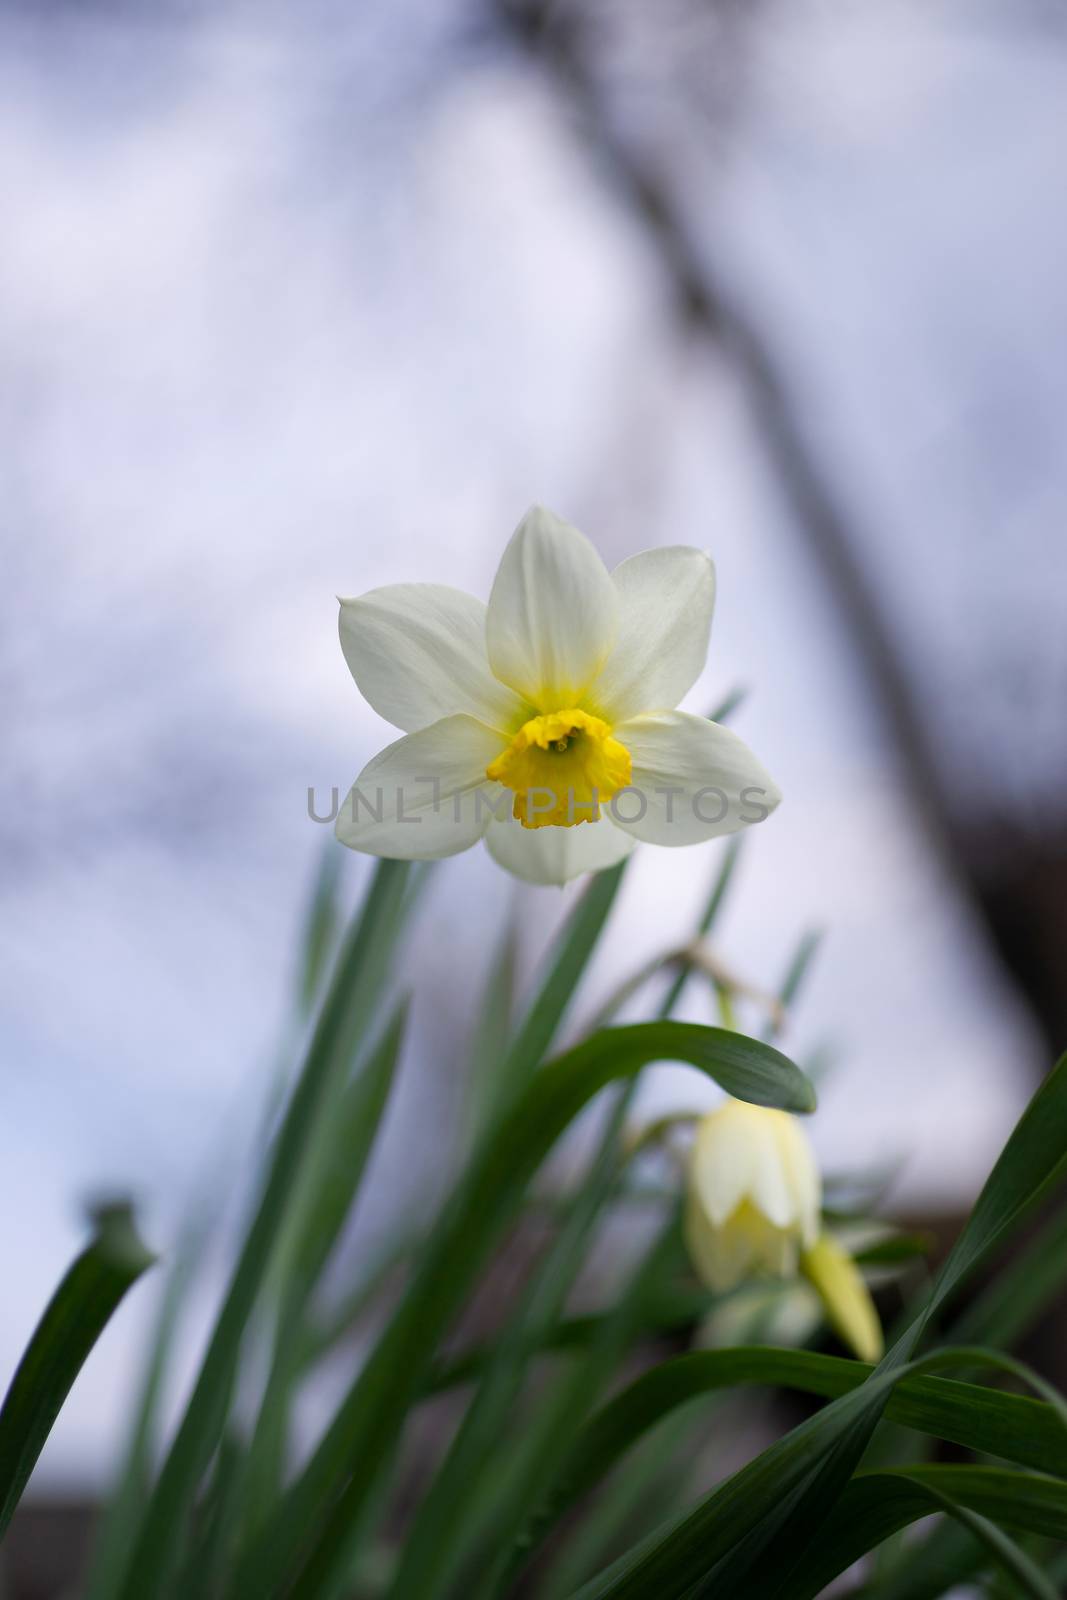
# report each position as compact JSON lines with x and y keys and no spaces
{"x":562,"y":768}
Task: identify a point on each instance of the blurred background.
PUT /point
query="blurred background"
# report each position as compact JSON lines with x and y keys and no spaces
{"x":300,"y":300}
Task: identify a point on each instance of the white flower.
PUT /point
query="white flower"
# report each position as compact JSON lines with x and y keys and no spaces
{"x":754,"y":1194}
{"x":545,"y":721}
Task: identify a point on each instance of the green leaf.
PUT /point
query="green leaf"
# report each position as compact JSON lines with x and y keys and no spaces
{"x":1033,"y":1159}
{"x":728,"y":704}
{"x":1030,"y":1432}
{"x":796,"y":973}
{"x":72,"y":1322}
{"x":126,"y":1502}
{"x":489,"y":1045}
{"x":550,"y":1435}
{"x":928,"y":1568}
{"x":358,"y":1443}
{"x":438,"y":1533}
{"x":448,"y":1518}
{"x":332,"y":1181}
{"x":1010,"y":1557}
{"x":347,"y":1009}
{"x":320,"y":929}
{"x":338,"y":1326}
{"x":898,"y":1247}
{"x":676,"y":1562}
{"x":877,"y":1504}
{"x":208,"y":1550}
{"x":1021,"y":1291}
{"x":570,"y":957}
{"x":316,"y":1223}
{"x":715,"y":901}
{"x":498,"y":1506}
{"x":636,"y":1497}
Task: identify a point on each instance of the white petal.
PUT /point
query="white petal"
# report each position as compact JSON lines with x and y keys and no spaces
{"x":802,"y":1175}
{"x":555,"y":855}
{"x":693,"y":781}
{"x":721,"y":1169}
{"x":553,"y":613}
{"x":772,"y":1191}
{"x":774,"y":1248}
{"x":666,"y":598}
{"x":427,"y":795}
{"x":721,"y":1256}
{"x":417,"y":652}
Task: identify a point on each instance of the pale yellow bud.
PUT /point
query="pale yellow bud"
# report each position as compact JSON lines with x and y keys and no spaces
{"x":754,"y":1194}
{"x":846,"y":1299}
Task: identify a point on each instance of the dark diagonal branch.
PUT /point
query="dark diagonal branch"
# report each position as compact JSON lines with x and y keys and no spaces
{"x":1009,"y":887}
{"x":706,"y":310}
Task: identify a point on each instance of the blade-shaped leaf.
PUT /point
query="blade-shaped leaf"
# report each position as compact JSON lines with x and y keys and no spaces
{"x":447,"y":1520}
{"x":316,"y":1225}
{"x":69,"y":1328}
{"x":1029,"y":1432}
{"x":720,"y":889}
{"x":637,"y":1497}
{"x":1021,"y":1290}
{"x":796,"y":973}
{"x":489,"y":1045}
{"x":877,"y":1504}
{"x":550,"y":1435}
{"x":771,"y":1536}
{"x":570,"y":956}
{"x":680,"y":1561}
{"x":320,"y":930}
{"x":356,"y":1446}
{"x":346,"y":1012}
{"x":118,"y":1526}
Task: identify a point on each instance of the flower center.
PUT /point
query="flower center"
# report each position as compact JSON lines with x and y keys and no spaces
{"x":562,"y":768}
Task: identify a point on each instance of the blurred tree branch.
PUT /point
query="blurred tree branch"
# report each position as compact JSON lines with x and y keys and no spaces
{"x":1014,"y":878}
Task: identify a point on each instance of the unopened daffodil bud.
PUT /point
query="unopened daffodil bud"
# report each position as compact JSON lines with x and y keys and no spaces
{"x":754,"y":1194}
{"x":846,"y":1299}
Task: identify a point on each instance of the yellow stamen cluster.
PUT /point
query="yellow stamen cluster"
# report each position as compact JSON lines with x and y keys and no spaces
{"x":562,"y":768}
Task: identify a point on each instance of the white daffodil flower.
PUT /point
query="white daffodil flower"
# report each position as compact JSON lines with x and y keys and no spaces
{"x":754,"y":1194}
{"x":545,"y":722}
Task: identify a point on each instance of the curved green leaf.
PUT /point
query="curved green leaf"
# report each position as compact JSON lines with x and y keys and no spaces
{"x":489,"y":1041}
{"x":347,"y":1010}
{"x":1021,"y":1291}
{"x":770,"y":1543}
{"x":317,"y":1216}
{"x":1014,"y":1427}
{"x":676,"y":1561}
{"x":548,"y":1435}
{"x":118,"y":1525}
{"x":470,"y":1491}
{"x":72,"y":1322}
{"x":320,"y":929}
{"x":1031,"y":1433}
{"x":878,"y":1504}
{"x":1033,"y":1159}
{"x":342,"y":1471}
{"x":570,"y":954}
